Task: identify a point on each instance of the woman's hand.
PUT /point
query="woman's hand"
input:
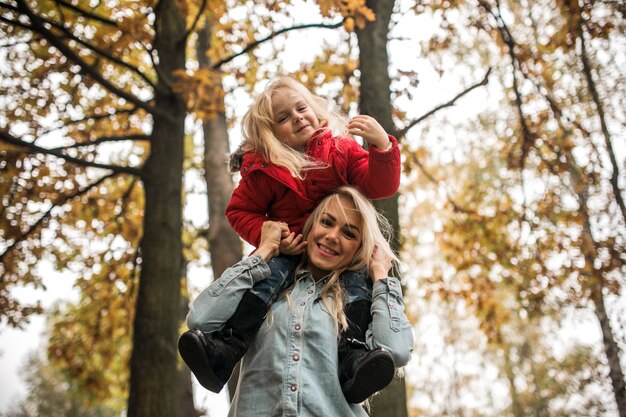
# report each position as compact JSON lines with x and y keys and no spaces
{"x":271,"y":235}
{"x":380,"y":264}
{"x":370,"y":130}
{"x":291,"y":244}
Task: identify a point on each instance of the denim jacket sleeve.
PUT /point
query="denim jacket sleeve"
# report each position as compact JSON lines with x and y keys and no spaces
{"x":390,"y":328}
{"x":218,"y":302}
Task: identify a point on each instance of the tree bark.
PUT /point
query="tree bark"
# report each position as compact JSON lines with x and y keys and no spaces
{"x":375,"y":100}
{"x":595,"y":283}
{"x":225,"y":246}
{"x":595,"y":96}
{"x":611,"y":349}
{"x":516,"y":407}
{"x":153,"y":372}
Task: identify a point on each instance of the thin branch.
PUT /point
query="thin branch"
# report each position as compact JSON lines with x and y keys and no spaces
{"x":256,"y":43}
{"x":192,"y":28}
{"x":457,"y":207}
{"x":86,"y":13}
{"x":103,"y":139}
{"x":603,"y":125}
{"x":59,"y":202}
{"x":94,"y":117}
{"x":8,"y":138}
{"x":101,"y":52}
{"x":426,"y":115}
{"x":39,"y":27}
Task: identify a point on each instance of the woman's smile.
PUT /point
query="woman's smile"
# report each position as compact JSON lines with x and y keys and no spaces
{"x":335,"y":238}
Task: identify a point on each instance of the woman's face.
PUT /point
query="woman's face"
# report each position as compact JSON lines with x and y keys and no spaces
{"x":335,"y":238}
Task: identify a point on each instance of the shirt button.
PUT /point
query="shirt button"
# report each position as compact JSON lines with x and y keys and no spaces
{"x":296,"y":357}
{"x":297,"y":326}
{"x":314,"y":182}
{"x":319,"y":142}
{"x":294,"y":387}
{"x":302,"y":303}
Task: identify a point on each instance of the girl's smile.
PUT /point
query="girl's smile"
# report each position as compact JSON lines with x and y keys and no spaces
{"x":294,"y":120}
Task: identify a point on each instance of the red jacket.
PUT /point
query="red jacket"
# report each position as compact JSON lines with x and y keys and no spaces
{"x":269,"y":192}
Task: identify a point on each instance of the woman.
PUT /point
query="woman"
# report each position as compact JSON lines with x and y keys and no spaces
{"x":290,"y":368}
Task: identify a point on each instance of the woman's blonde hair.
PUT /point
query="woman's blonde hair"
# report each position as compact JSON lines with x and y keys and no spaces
{"x":258,"y":127}
{"x":376,"y":234}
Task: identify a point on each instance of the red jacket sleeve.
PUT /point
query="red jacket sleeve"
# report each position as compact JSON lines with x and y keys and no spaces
{"x":376,"y":173}
{"x":247,"y":210}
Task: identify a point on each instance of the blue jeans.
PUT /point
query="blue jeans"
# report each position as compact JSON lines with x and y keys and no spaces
{"x":357,"y":284}
{"x":282,"y":269}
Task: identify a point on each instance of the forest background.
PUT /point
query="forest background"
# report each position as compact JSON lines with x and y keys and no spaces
{"x":115,"y":120}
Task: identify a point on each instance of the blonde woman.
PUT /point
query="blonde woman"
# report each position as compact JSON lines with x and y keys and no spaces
{"x":290,"y":367}
{"x":289,"y":161}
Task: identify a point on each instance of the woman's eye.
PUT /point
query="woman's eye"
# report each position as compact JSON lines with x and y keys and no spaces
{"x":325,"y":222}
{"x":349,"y":234}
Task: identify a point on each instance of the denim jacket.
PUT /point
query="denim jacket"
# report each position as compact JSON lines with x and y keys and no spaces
{"x":291,"y":366}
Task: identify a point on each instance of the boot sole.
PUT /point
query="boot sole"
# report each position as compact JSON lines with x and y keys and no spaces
{"x":192,"y":352}
{"x":374,"y":374}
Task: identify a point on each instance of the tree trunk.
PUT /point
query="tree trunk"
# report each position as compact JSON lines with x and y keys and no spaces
{"x":516,"y":407}
{"x":611,"y":349}
{"x":153,"y":372}
{"x":225,"y":246}
{"x":375,"y":100}
{"x":595,"y":283}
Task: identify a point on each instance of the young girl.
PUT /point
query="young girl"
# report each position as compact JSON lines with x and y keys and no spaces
{"x":289,"y":161}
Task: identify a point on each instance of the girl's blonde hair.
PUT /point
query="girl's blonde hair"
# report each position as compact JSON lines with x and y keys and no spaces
{"x":376,"y":234}
{"x":258,"y":127}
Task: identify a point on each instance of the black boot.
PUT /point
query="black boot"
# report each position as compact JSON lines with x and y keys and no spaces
{"x":213,"y":356}
{"x":362,"y":372}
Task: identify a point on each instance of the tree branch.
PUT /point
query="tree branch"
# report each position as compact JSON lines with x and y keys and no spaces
{"x":507,"y":38}
{"x":101,"y":52}
{"x":192,"y":28}
{"x":38,"y":26}
{"x":8,"y":138}
{"x":103,"y":139}
{"x":591,"y":85}
{"x":256,"y":43}
{"x":59,"y":202}
{"x":426,"y":115}
{"x":94,"y":117}
{"x":86,"y":13}
{"x":456,"y":207}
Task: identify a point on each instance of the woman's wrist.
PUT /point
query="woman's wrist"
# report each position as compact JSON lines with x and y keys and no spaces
{"x":266,"y":252}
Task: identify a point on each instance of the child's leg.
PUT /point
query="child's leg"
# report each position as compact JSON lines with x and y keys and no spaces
{"x":213,"y":356}
{"x":362,"y":372}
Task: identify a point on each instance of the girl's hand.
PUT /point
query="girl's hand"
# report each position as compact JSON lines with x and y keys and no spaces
{"x":292,"y":244}
{"x":380,"y":264}
{"x":271,"y":234}
{"x":370,"y":130}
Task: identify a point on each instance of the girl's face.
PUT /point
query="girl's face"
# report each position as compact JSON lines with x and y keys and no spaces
{"x":335,"y":238}
{"x":294,"y":120}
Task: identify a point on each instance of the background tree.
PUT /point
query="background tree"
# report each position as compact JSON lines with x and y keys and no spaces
{"x":112,"y":68}
{"x":52,"y":395}
{"x":535,"y":202}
